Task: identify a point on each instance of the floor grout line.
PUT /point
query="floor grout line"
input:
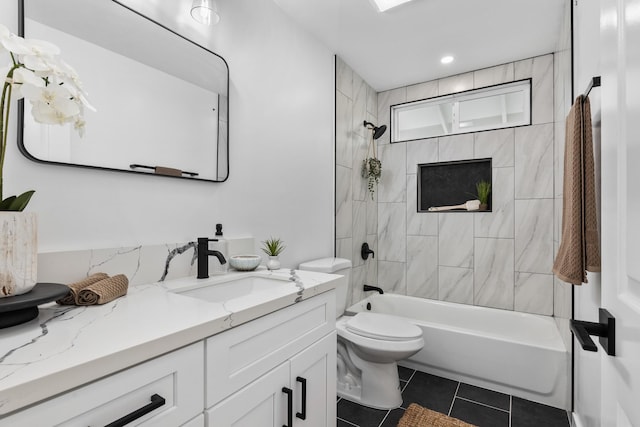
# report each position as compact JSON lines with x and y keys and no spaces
{"x":348,"y":422}
{"x":484,"y":404}
{"x":385,"y":417}
{"x":454,"y":399}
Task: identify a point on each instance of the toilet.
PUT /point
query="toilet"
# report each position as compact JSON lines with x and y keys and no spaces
{"x":369,"y":345}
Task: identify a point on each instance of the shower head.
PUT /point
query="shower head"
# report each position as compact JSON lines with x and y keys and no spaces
{"x":378,"y":131}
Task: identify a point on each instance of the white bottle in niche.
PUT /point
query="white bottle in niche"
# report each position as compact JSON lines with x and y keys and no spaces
{"x":220,"y":245}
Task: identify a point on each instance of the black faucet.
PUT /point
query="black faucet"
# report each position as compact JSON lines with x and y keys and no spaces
{"x":203,"y":256}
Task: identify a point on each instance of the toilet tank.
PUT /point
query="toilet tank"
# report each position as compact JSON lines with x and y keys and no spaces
{"x":340,"y":266}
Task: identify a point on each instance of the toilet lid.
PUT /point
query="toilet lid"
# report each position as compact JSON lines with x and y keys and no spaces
{"x":382,"y":326}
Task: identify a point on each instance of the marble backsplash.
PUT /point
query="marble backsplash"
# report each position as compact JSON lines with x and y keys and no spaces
{"x":141,"y":264}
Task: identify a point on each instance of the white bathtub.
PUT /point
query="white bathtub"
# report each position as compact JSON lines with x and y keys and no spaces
{"x":515,"y":353}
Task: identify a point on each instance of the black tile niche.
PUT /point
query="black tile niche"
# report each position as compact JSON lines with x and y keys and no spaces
{"x":451,"y":183}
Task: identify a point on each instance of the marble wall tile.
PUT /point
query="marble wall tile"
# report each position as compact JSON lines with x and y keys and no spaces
{"x":497,"y":144}
{"x":418,"y":223}
{"x":371,"y":264}
{"x":493,"y":273}
{"x":358,"y":280}
{"x":493,"y":75}
{"x":344,"y":78}
{"x":534,"y":235}
{"x":422,"y":91}
{"x":455,"y":284}
{"x":392,"y":277}
{"x":500,"y":221}
{"x":534,"y":293}
{"x":455,"y":147}
{"x":561,"y":299}
{"x":392,"y":237}
{"x":385,"y":101}
{"x":344,"y":202}
{"x":422,"y":266}
{"x":344,"y":144}
{"x":540,"y":69}
{"x":372,"y":101}
{"x":558,"y":158}
{"x":534,"y":161}
{"x":359,"y":114}
{"x":344,"y":248}
{"x":360,"y":188}
{"x":359,"y":230}
{"x":392,"y":184}
{"x":372,"y":215}
{"x":421,"y":151}
{"x":455,"y":239}
{"x":457,"y":83}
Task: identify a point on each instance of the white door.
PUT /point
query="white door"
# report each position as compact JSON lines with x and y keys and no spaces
{"x":260,"y":404}
{"x":314,"y":382}
{"x":620,"y":65}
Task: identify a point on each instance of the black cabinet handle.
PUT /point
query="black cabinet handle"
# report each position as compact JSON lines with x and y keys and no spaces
{"x":303,"y":415}
{"x":289,"y":394}
{"x":156,"y":402}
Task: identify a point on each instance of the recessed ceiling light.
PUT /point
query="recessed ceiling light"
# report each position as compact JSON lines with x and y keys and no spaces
{"x":383,"y":5}
{"x":446,"y":59}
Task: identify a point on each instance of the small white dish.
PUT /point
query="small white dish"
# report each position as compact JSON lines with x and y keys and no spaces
{"x":245,"y":262}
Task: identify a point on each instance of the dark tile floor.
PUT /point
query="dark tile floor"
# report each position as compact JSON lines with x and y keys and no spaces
{"x":475,"y":405}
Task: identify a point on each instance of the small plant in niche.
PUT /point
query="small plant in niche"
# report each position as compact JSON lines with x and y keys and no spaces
{"x":273,"y":246}
{"x":50,"y":85}
{"x":483,"y":189}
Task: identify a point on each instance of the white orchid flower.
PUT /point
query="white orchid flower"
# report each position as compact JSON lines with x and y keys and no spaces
{"x":51,"y":104}
{"x":22,"y":76}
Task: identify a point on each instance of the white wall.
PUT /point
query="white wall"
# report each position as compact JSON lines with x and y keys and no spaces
{"x":586,"y":55}
{"x":281,"y":175}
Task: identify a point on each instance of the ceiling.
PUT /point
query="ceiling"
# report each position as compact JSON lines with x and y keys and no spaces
{"x":404,"y":45}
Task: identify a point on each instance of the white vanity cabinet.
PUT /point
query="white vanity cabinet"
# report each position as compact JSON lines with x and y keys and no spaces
{"x":276,"y":371}
{"x":170,"y":388}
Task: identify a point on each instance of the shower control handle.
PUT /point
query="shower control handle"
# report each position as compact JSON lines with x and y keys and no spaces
{"x":365,"y":251}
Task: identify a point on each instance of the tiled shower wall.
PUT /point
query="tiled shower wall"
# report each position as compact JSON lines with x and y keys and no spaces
{"x":356,"y":212}
{"x":498,"y":259}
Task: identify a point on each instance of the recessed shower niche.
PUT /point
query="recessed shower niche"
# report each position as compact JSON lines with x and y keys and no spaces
{"x":452,"y":183}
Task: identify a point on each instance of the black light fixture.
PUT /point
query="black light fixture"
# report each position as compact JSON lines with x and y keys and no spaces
{"x":378,"y":131}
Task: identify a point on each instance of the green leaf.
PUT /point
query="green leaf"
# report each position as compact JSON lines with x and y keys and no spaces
{"x":16,"y":204}
{"x":6,"y":203}
{"x":21,"y":201}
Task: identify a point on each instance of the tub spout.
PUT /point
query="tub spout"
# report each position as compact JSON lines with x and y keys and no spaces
{"x":367,"y":288}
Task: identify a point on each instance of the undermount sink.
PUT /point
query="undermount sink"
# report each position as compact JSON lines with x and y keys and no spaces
{"x":216,"y":291}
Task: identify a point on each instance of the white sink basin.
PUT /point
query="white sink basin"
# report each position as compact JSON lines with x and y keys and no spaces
{"x":221,"y":292}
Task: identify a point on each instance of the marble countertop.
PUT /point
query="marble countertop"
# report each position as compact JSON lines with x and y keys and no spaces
{"x":67,"y":346}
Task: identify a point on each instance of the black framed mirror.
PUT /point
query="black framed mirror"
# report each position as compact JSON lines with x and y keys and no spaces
{"x":161,"y":99}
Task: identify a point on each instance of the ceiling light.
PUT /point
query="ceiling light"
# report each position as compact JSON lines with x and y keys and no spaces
{"x":383,"y":5}
{"x":205,"y":12}
{"x":446,"y":59}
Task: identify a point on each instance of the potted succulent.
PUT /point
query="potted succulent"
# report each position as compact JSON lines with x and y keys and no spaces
{"x":483,"y":189}
{"x":273,"y":247}
{"x":54,"y":92}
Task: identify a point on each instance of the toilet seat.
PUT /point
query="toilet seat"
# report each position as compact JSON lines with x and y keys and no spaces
{"x":383,"y":327}
{"x":378,"y":345}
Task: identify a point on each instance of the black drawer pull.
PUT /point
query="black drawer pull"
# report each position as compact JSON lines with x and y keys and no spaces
{"x":156,"y":402}
{"x":289,"y":394}
{"x":303,"y":415}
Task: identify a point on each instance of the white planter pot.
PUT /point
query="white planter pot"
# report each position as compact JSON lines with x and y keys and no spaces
{"x":18,"y":252}
{"x":273,"y":263}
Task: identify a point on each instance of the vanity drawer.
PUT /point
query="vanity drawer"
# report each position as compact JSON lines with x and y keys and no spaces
{"x":176,"y":377}
{"x":242,"y":354}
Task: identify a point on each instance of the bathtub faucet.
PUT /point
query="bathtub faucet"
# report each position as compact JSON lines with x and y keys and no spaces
{"x":367,"y":288}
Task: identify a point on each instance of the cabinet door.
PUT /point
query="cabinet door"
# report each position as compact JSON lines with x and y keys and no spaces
{"x":313,"y":378}
{"x":259,"y":404}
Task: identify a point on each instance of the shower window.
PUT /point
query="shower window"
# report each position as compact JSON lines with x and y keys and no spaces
{"x":494,"y":107}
